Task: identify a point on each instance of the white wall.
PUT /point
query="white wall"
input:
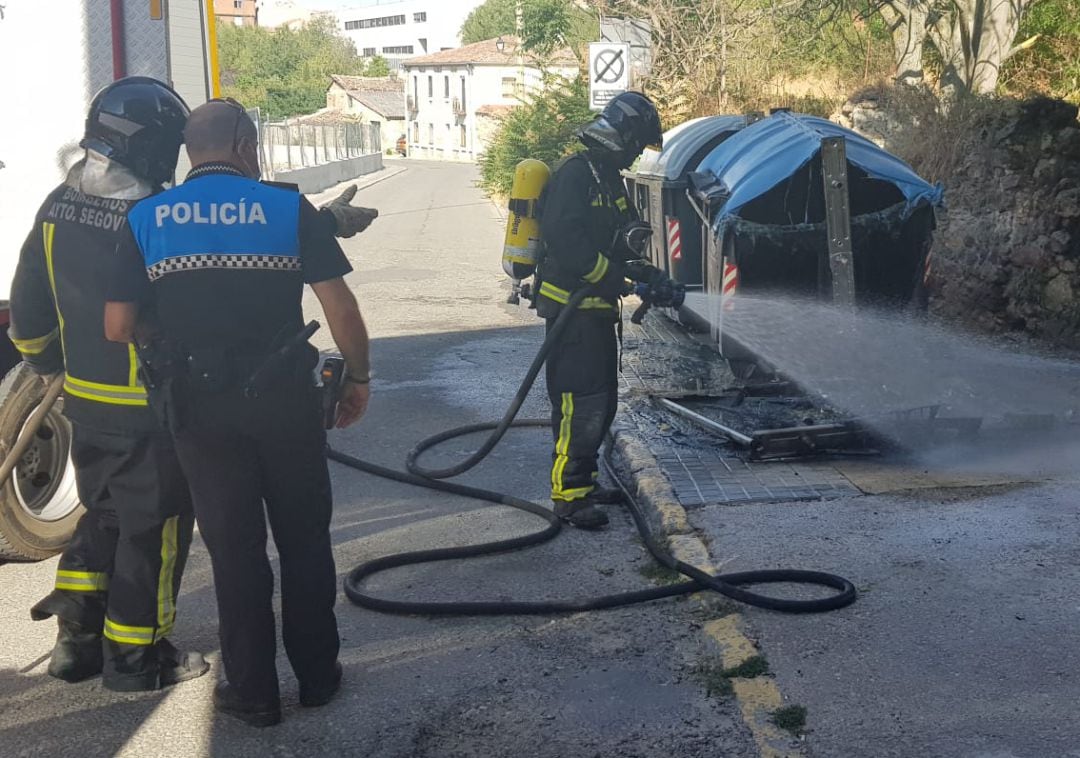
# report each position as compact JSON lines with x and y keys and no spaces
{"x":484,"y":85}
{"x":440,"y":28}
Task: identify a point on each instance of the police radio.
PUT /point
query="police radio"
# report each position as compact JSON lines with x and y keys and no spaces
{"x":331,"y":379}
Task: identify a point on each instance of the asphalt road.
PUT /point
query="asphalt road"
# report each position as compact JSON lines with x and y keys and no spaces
{"x":446,"y":352}
{"x":963,"y":642}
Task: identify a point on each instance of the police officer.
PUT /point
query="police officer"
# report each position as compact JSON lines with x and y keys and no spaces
{"x":221,"y":260}
{"x":590,"y":237}
{"x":121,"y":572}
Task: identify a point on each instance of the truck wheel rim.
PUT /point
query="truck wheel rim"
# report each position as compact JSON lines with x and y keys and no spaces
{"x":44,"y":479}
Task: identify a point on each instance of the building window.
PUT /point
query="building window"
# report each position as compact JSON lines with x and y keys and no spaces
{"x":238,"y":4}
{"x":423,"y":44}
{"x":371,"y":23}
{"x":416,"y":91}
{"x":416,"y":133}
{"x":398,"y":50}
{"x":464,"y":109}
{"x":369,"y":52}
{"x":419,"y":18}
{"x":446,"y":87}
{"x":430,"y":87}
{"x":431,"y":134}
{"x":464,"y":137}
{"x":510,"y":86}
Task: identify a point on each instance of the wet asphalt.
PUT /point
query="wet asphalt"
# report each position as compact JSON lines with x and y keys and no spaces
{"x":447,"y":351}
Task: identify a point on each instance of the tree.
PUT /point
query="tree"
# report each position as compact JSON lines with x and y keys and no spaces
{"x":376,"y":66}
{"x":286,"y":72}
{"x":543,"y":127}
{"x":972,"y":38}
{"x":546,"y":25}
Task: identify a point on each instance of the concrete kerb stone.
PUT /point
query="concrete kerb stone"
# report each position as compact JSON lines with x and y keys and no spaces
{"x":756,"y":698}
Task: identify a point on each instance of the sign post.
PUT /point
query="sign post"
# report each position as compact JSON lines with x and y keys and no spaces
{"x":609,"y":72}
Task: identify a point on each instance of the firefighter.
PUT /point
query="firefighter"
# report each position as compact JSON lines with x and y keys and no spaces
{"x":121,"y":572}
{"x":590,"y":236}
{"x":222,"y":261}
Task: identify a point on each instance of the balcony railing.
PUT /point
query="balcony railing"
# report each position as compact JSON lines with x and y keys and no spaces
{"x":459,"y":107}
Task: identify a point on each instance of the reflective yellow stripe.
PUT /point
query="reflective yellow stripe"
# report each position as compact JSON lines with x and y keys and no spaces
{"x":112,"y":394}
{"x":81,"y":581}
{"x":129,"y":635}
{"x":100,"y":398}
{"x":167,"y":575}
{"x":133,"y":366}
{"x":595,"y":303}
{"x":598,"y":271}
{"x":37,"y":345}
{"x":562,"y":446}
{"x":559,"y":295}
{"x":120,"y":389}
{"x":576,"y":493}
{"x":49,"y":233}
{"x":620,"y":203}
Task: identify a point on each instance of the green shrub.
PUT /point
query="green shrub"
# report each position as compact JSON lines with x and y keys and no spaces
{"x":542,"y":127}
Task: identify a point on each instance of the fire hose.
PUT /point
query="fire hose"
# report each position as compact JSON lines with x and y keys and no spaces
{"x":732,"y":585}
{"x":33,"y":424}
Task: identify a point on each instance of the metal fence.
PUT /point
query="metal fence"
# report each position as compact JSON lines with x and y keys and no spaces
{"x":291,"y":145}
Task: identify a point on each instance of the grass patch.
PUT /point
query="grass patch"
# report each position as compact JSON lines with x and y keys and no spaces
{"x":748,"y":669}
{"x":790,"y":717}
{"x":711,"y":674}
{"x":717,"y":678}
{"x":660,"y":574}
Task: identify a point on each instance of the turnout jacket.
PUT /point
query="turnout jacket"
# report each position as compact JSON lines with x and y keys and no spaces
{"x":583,"y":206}
{"x":58,"y":305}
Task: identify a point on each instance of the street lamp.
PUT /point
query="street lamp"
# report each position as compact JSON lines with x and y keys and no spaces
{"x":500,"y":44}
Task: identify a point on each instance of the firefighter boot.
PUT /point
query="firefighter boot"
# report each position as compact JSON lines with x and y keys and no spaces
{"x":607,"y":496}
{"x":175,"y":666}
{"x":77,"y":654}
{"x":138,"y":668}
{"x":581,"y":513}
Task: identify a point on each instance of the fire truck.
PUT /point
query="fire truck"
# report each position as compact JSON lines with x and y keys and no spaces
{"x":54,"y":57}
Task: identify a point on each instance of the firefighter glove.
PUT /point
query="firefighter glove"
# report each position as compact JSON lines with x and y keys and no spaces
{"x":350,"y":219}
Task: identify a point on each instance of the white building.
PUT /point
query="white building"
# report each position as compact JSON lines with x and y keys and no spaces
{"x":400,"y":29}
{"x":455,"y":97}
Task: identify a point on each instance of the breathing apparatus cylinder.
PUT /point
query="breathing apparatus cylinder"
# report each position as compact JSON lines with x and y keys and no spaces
{"x":521,"y":251}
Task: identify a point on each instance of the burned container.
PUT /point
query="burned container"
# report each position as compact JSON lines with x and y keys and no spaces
{"x":800,"y":205}
{"x":658,"y":187}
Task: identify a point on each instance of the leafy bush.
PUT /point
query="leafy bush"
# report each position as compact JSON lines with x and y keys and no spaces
{"x":542,"y":127}
{"x":286,"y":72}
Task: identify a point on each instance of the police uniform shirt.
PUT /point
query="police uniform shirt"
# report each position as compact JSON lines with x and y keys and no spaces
{"x":223,"y":259}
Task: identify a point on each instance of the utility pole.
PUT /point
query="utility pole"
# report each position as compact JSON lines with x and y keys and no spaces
{"x":518,"y":31}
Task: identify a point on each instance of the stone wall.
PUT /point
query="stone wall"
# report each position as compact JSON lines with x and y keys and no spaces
{"x":1006,"y":254}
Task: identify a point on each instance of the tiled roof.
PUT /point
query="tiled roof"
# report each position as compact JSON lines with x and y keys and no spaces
{"x":369,"y":83}
{"x":328,"y":117}
{"x":486,"y":53}
{"x":494,"y":110}
{"x":388,"y":104}
{"x":383,"y":94}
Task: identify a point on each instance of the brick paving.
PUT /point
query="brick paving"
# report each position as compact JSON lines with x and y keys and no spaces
{"x":661,"y":358}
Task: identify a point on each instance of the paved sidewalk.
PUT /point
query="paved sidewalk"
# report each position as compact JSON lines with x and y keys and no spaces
{"x":963,"y":641}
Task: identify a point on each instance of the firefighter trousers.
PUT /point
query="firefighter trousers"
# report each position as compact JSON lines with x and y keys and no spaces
{"x":583,"y":385}
{"x":249,"y":461}
{"x":121,"y":572}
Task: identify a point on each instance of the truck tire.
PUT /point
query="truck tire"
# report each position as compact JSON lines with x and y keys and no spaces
{"x":39,"y":504}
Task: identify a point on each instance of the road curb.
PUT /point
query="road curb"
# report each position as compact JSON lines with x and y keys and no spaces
{"x":758,"y":697}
